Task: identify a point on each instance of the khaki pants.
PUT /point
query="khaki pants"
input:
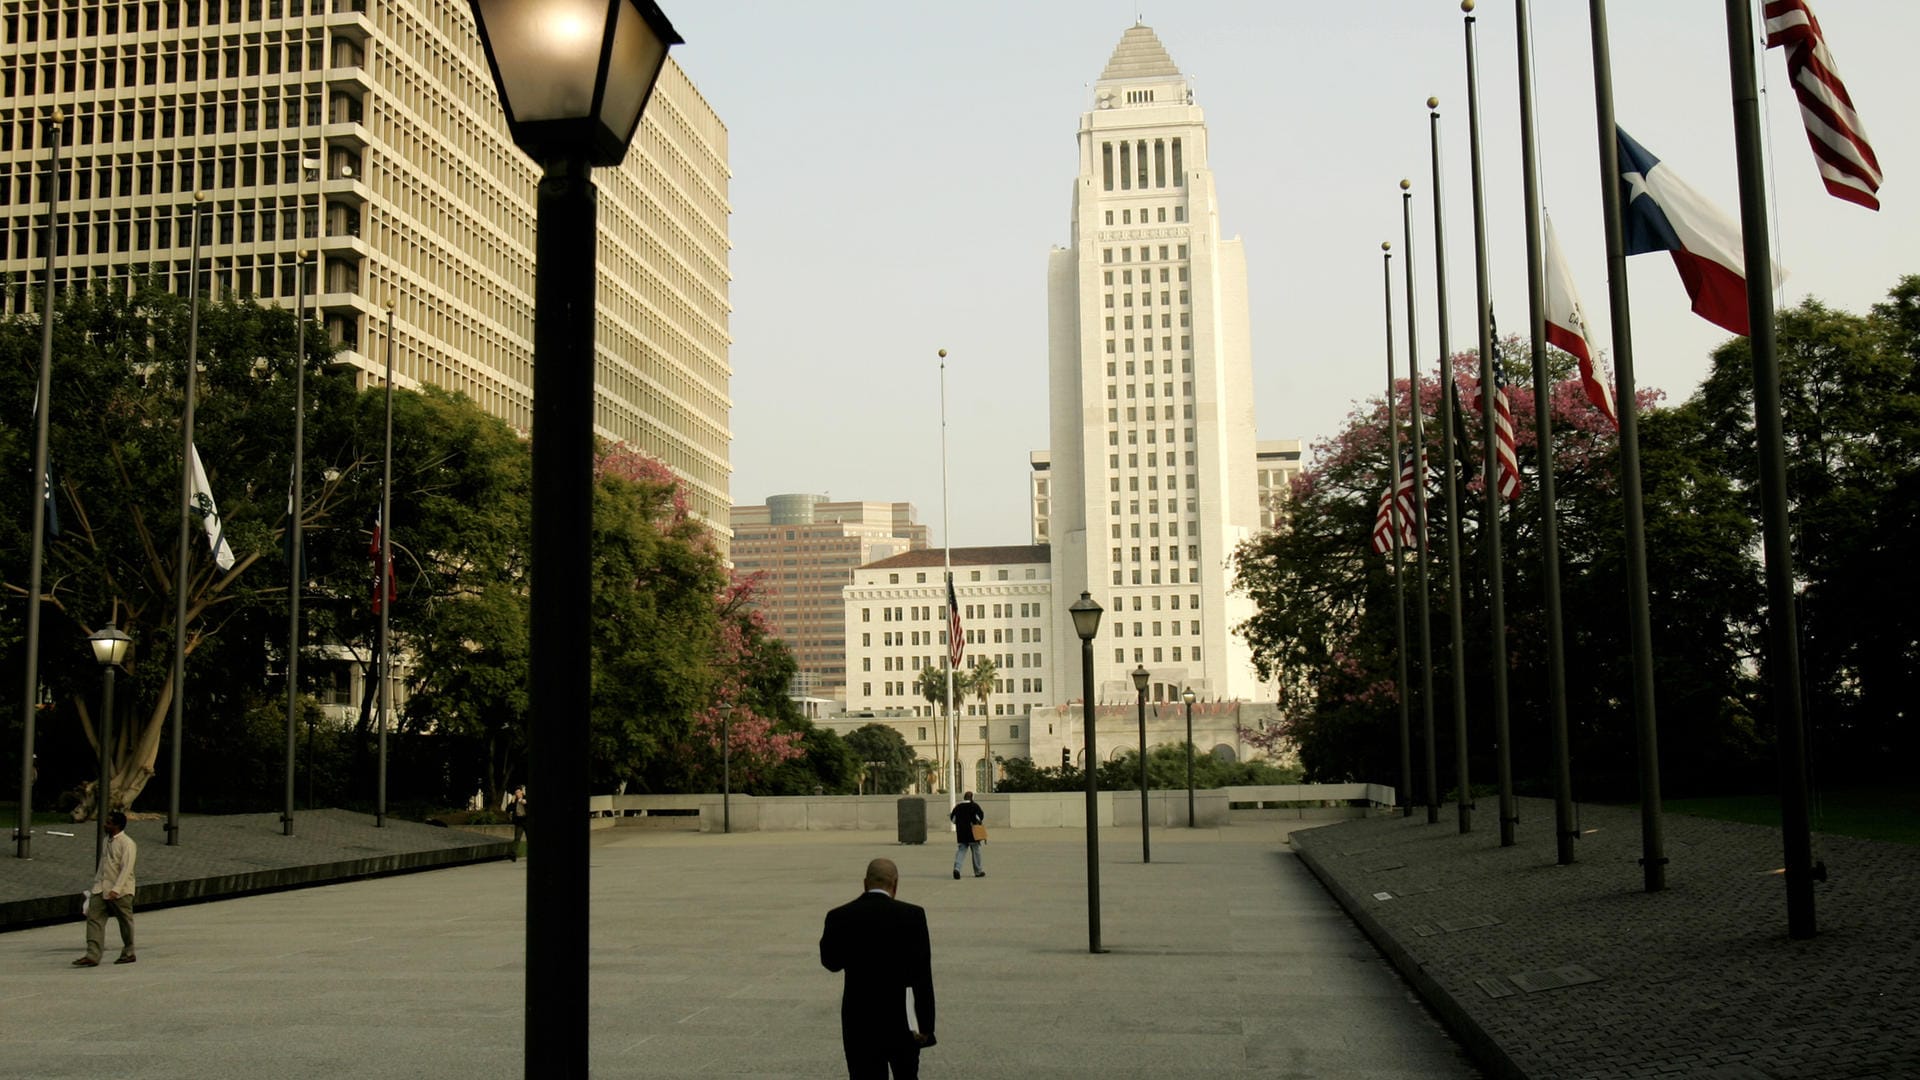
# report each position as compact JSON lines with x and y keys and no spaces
{"x":98,"y":908}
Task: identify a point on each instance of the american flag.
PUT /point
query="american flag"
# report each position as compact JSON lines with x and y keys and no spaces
{"x":1399,"y":492}
{"x":1506,"y":460}
{"x":956,"y":637}
{"x":1840,"y":146}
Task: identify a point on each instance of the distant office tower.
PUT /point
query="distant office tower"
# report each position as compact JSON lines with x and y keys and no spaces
{"x":1277,"y":462}
{"x":808,"y":548}
{"x":369,"y":134}
{"x":1152,"y":436}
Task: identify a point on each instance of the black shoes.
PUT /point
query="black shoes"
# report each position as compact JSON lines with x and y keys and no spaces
{"x":88,"y":961}
{"x":125,"y":960}
{"x":956,"y":875}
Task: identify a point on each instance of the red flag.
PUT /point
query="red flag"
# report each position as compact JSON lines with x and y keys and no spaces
{"x":373,"y":552}
{"x":1839,"y":142}
{"x":956,"y":638}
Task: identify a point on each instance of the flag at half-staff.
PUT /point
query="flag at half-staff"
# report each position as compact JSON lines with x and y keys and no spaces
{"x":956,"y":636}
{"x":1567,"y":327}
{"x":1847,"y":163}
{"x":1663,"y":213}
{"x":1396,"y":507}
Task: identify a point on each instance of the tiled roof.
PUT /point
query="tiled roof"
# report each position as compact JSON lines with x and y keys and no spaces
{"x":975,"y":556}
{"x":1139,"y":56}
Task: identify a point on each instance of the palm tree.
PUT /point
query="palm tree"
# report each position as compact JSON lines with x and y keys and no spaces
{"x":932,"y":685}
{"x":981,"y":682}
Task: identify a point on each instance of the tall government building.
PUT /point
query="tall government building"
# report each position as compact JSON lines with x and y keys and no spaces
{"x":367,"y":132}
{"x":1152,"y":459}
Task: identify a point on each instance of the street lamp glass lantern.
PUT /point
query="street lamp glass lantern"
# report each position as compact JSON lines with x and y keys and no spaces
{"x":1140,"y":677}
{"x":109,"y":645}
{"x":1086,"y":613}
{"x":574,"y":75}
{"x":1187,"y":696}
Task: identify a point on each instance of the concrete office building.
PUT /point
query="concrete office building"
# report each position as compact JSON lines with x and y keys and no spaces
{"x":897,"y":627}
{"x":369,"y":134}
{"x":1276,"y":463}
{"x":807,"y":548}
{"x":1152,"y":450}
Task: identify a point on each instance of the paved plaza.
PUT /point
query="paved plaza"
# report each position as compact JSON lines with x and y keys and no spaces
{"x":1227,"y":958}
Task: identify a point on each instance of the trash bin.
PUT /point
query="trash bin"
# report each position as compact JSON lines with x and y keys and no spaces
{"x":913,"y":820}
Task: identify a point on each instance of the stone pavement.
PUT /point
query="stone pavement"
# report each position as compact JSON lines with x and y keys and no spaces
{"x":1576,"y":971}
{"x":1227,"y":958}
{"x":225,"y":856}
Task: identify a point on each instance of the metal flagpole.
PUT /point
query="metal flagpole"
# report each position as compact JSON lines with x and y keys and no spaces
{"x":1783,"y":661}
{"x":946,"y":537}
{"x":1563,"y":827}
{"x":1448,"y":445}
{"x":1496,"y":599}
{"x":1405,"y":795}
{"x":383,"y":588}
{"x":1653,"y":858}
{"x":296,"y":576}
{"x":43,"y":402}
{"x":186,"y":546}
{"x":1420,"y":508}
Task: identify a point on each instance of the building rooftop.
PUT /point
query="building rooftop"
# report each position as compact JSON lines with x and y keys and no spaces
{"x":974,"y":556}
{"x":1139,"y":56}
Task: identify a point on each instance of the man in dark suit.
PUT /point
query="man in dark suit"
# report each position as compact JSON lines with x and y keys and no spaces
{"x":882,"y":945}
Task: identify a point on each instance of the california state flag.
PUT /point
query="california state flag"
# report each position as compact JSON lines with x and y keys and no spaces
{"x":1567,"y":329}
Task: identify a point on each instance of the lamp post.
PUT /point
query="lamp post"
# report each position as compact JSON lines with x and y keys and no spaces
{"x":574,"y":77}
{"x":1086,"y":622}
{"x":109,"y":649}
{"x":1140,"y":679}
{"x":726,"y":767}
{"x":1187,"y":697}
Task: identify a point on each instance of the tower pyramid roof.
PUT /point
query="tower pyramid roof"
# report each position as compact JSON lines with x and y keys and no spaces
{"x":1139,"y":56}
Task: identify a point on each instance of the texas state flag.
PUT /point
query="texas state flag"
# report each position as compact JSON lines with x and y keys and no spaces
{"x":1663,"y":214}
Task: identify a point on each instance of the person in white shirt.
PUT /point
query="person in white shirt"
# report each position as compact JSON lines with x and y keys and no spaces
{"x":112,"y":894}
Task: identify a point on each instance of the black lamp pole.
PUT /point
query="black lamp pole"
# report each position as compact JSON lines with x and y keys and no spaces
{"x":570,"y":107}
{"x":726,"y":768}
{"x":109,"y":648}
{"x":1187,"y":697}
{"x":1086,"y":623}
{"x":1140,"y":679}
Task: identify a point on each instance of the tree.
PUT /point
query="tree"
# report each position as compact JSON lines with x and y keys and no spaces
{"x":1850,"y":397}
{"x":981,"y":681}
{"x":1323,"y":627}
{"x":115,"y":435}
{"x":885,"y":757}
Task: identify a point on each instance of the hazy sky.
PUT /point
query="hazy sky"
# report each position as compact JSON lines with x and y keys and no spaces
{"x":900,"y":171}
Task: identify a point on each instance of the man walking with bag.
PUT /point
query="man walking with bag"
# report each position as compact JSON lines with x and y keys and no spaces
{"x":967,"y":816}
{"x":112,"y":894}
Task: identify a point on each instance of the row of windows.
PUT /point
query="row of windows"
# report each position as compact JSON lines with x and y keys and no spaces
{"x":1139,"y":655}
{"x":1120,"y":629}
{"x":60,"y":22}
{"x":1153,"y":462}
{"x":1152,"y":577}
{"x":1126,"y":216}
{"x":1153,"y":483}
{"x":1146,"y":277}
{"x":1153,"y":553}
{"x":1173,"y":602}
{"x":1113,"y":436}
{"x":1146,"y":255}
{"x":1133,"y":413}
{"x":1166,"y":389}
{"x":1133,"y":164}
{"x":1146,"y":323}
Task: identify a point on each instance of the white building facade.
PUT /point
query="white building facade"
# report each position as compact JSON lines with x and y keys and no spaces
{"x":1150,"y":469}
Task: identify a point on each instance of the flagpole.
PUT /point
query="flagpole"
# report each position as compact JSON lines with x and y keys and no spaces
{"x":946,"y":537}
{"x":1457,"y":657}
{"x":383,"y":588}
{"x":1653,"y":858}
{"x":1496,"y":598}
{"x":186,"y":549}
{"x":1783,"y":663}
{"x":43,"y":400}
{"x":1405,"y":794}
{"x":296,"y":566}
{"x":1563,"y":827}
{"x":1420,"y":506}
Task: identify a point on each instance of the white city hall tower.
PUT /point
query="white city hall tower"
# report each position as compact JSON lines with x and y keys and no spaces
{"x":1152,"y":437}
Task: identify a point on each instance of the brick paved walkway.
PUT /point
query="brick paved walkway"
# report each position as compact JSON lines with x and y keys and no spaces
{"x":1700,"y":980}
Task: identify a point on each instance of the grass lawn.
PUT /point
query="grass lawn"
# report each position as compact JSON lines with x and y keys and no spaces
{"x":1872,"y":813}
